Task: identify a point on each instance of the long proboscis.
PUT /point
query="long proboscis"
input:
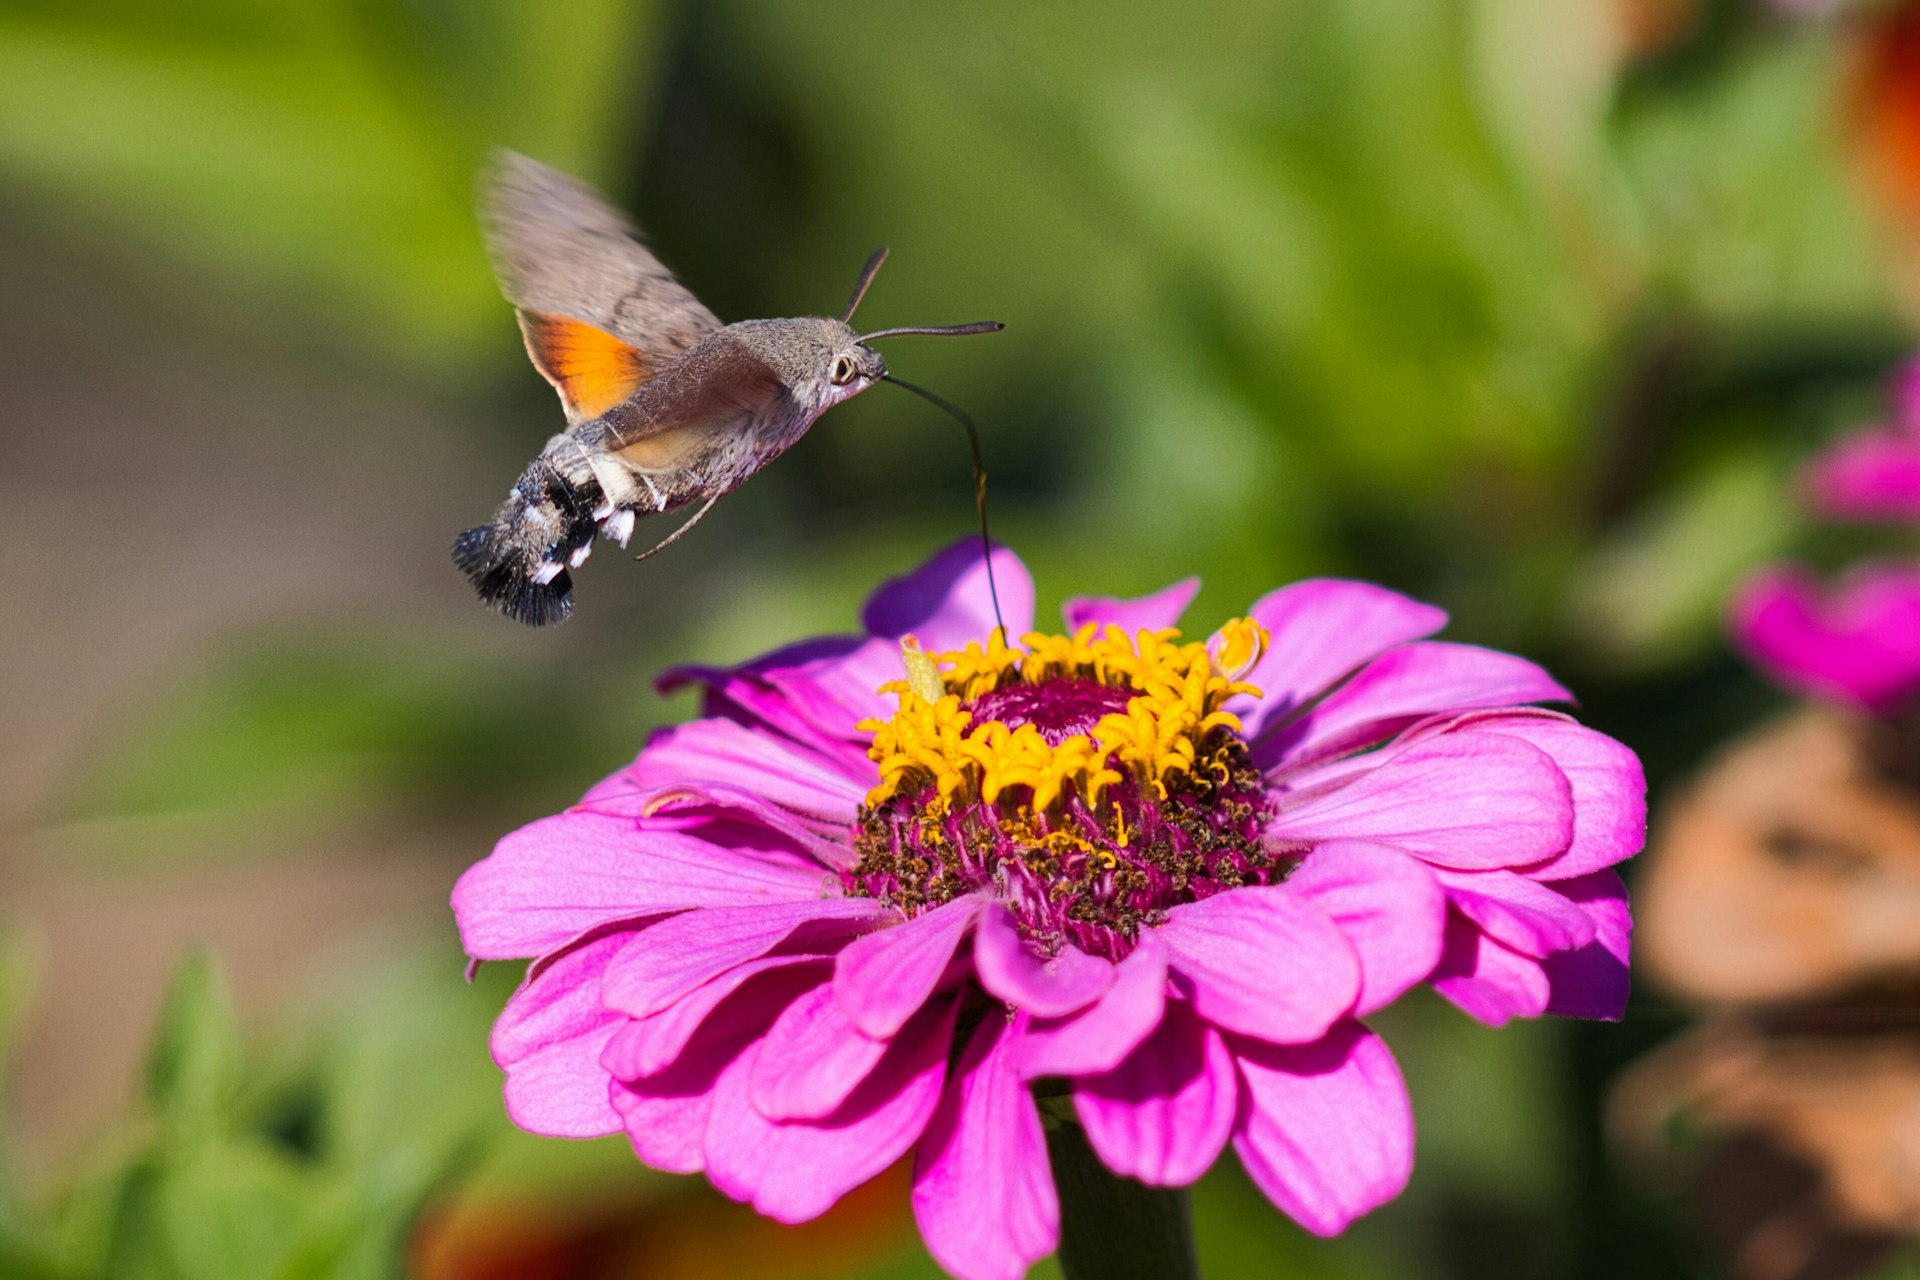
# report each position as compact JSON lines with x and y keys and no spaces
{"x":979,"y":481}
{"x":937,"y":331}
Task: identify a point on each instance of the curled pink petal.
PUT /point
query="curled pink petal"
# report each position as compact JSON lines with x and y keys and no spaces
{"x":1467,"y":800}
{"x":813,"y":692}
{"x":1320,"y":631}
{"x":673,"y":957}
{"x":1326,"y":1129}
{"x":1408,"y":684}
{"x":1165,"y":1113}
{"x":796,"y":1171}
{"x":1098,"y":1037}
{"x":1857,"y":644}
{"x":725,"y":753}
{"x":1608,"y":784}
{"x":1523,"y":914}
{"x":1389,"y":907}
{"x":1263,"y":961}
{"x":553,"y":880}
{"x":881,"y":980}
{"x":982,"y":1186}
{"x":1146,"y":613}
{"x":1046,"y":988}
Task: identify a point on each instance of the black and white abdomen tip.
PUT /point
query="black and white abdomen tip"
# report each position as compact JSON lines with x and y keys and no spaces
{"x":519,"y":564}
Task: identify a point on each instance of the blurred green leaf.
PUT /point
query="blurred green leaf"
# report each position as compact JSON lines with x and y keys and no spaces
{"x":319,"y":153}
{"x":1653,"y":594}
{"x":305,"y":730}
{"x":193,"y":1066}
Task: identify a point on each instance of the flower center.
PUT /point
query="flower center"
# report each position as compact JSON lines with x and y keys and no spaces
{"x":1090,"y":782}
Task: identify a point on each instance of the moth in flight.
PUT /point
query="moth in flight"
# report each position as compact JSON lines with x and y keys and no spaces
{"x":666,"y":407}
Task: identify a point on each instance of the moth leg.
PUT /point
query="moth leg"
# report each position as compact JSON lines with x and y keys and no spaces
{"x":674,"y":537}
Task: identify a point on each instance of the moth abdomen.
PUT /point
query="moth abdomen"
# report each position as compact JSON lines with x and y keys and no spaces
{"x":520,"y":563}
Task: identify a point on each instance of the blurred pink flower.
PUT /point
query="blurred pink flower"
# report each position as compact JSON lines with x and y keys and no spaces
{"x":809,"y":931}
{"x":1856,"y":643}
{"x":1874,"y":474}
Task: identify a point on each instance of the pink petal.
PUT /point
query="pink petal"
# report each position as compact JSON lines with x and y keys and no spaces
{"x":1388,"y":905}
{"x":548,"y":1040}
{"x":982,"y":1187}
{"x":673,"y":957}
{"x":1467,"y":800}
{"x":1326,"y":1129}
{"x":1164,"y":1115}
{"x":796,"y":1171}
{"x":814,"y":1059}
{"x":1488,"y":981}
{"x":1046,"y":988}
{"x":1097,"y":1038}
{"x":1609,"y":791}
{"x":834,"y":694}
{"x":1320,"y":630}
{"x":647,"y":1046}
{"x":1874,"y":475}
{"x":742,"y":820}
{"x":1145,"y":613}
{"x":881,"y":979}
{"x":553,"y":880}
{"x":1858,"y":644}
{"x":1594,"y":981}
{"x":1520,"y":913}
{"x":1408,"y":684}
{"x":1264,"y":961}
{"x":666,"y":1114}
{"x":945,"y":603}
{"x":814,"y":691}
{"x":667,"y":1124}
{"x":724,"y":753}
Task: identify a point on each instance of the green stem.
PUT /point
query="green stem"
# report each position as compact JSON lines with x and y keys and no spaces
{"x":1113,"y":1228}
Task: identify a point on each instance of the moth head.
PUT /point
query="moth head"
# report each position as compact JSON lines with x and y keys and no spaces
{"x":854,"y":366}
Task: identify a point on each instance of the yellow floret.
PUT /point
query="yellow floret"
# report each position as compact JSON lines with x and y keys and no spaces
{"x":1179,"y":691}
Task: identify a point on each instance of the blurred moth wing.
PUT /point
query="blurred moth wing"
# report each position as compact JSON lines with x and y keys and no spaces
{"x":600,"y":314}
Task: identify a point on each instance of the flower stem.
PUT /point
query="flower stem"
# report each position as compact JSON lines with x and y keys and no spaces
{"x":1113,"y":1228}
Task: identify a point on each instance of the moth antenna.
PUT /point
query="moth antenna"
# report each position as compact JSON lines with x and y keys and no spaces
{"x":867,"y":273}
{"x":979,"y":476}
{"x":938,"y":331}
{"x":675,"y":536}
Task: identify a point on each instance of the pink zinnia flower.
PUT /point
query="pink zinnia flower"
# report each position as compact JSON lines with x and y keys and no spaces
{"x":889,"y":882}
{"x":1874,"y":474}
{"x":1856,"y":643}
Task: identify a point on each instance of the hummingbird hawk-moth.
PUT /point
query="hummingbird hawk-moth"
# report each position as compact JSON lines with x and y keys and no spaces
{"x":666,"y":407}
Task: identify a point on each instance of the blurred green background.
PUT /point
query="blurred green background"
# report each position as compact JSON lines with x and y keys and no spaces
{"x":1523,"y":306}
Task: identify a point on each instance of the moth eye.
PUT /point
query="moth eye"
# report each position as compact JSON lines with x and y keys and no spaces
{"x":843,"y":370}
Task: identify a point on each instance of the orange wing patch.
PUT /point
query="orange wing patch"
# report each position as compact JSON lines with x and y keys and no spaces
{"x":590,"y":368}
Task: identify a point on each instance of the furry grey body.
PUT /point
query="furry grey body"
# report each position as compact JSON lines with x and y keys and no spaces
{"x":694,"y":432}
